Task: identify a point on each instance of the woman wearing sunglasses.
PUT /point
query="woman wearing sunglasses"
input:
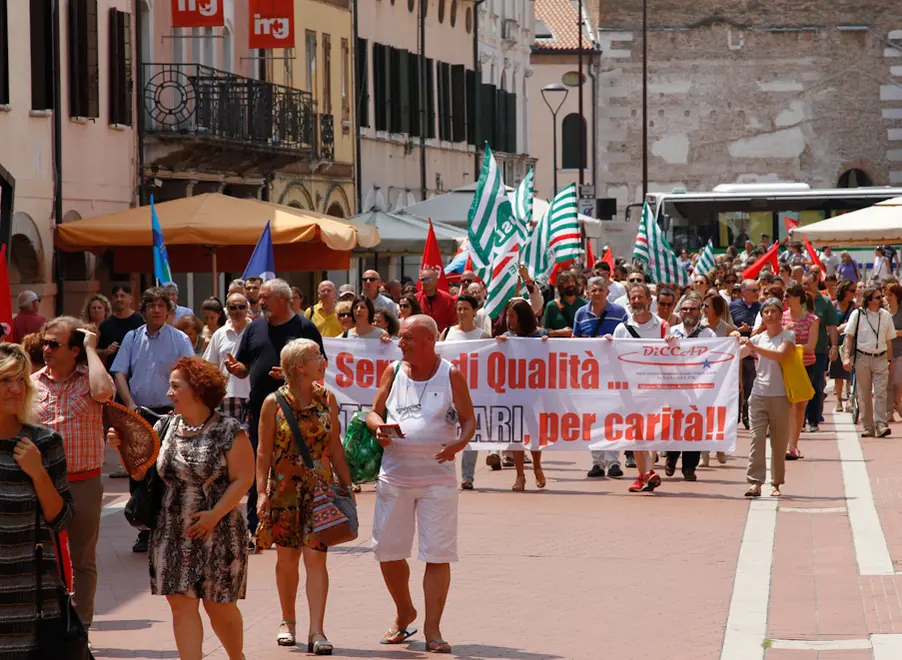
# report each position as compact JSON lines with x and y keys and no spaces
{"x":409,"y":306}
{"x":224,"y":343}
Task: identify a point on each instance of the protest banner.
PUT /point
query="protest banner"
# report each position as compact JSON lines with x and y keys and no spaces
{"x":567,"y":394}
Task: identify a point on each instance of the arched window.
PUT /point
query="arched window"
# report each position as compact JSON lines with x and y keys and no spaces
{"x":573,"y":133}
{"x":854,"y":178}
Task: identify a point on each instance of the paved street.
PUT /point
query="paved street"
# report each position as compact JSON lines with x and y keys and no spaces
{"x":565,"y":573}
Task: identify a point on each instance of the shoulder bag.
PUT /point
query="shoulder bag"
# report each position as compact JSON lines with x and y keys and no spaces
{"x":334,"y":513}
{"x":63,"y":637}
{"x":795,"y":377}
{"x":144,"y":504}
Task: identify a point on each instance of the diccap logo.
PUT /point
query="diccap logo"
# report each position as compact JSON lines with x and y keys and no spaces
{"x":663,"y":356}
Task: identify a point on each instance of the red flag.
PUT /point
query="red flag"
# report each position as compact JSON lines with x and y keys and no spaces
{"x":815,"y":260}
{"x":608,"y":258}
{"x":769,"y":257}
{"x":557,"y":270}
{"x":590,"y":255}
{"x":432,"y":259}
{"x":790,"y":224}
{"x":469,"y":264}
{"x":6,"y":303}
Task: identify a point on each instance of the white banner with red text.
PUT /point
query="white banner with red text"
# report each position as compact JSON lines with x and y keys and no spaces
{"x":566,"y":394}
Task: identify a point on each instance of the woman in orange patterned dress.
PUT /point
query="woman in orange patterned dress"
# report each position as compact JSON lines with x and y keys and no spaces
{"x":285,"y":485}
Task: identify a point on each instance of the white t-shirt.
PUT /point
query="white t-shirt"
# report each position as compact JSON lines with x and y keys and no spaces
{"x":769,"y":373}
{"x":831,"y":263}
{"x":615,"y":290}
{"x":224,"y":341}
{"x":698,"y":332}
{"x":881,"y":269}
{"x":651,"y":330}
{"x":624,"y":302}
{"x":421,"y":409}
{"x":456,"y":334}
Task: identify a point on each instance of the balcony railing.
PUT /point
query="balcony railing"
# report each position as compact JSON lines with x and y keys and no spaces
{"x":326,"y":137}
{"x":197,"y":100}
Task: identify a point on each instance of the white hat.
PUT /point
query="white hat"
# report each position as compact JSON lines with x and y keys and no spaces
{"x":346,"y":291}
{"x":26,"y":298}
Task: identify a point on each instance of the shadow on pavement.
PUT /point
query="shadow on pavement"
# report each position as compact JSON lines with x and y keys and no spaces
{"x":136,"y":653}
{"x":124,"y":624}
{"x":461,"y":651}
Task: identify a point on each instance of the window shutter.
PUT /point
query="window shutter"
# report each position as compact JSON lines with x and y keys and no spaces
{"x":120,"y":76}
{"x":379,"y":84}
{"x":400,"y":92}
{"x":430,"y":98}
{"x":92,"y":60}
{"x":389,"y":84}
{"x":84,"y":76}
{"x":458,"y":103}
{"x":440,"y":80}
{"x":472,"y":124}
{"x":128,"y":87}
{"x":511,"y":123}
{"x":41,"y":55}
{"x":4,"y":53}
{"x":363,"y":83}
{"x":75,"y":35}
{"x":487,"y":114}
{"x":414,"y":90}
{"x":446,"y":101}
{"x":499,"y":115}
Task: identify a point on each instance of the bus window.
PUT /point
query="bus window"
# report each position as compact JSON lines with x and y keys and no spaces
{"x":762,"y":224}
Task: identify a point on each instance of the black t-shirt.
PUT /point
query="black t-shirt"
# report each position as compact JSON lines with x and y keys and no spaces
{"x":259,"y":351}
{"x":113,"y":330}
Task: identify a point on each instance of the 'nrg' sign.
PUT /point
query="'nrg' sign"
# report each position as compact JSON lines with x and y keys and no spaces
{"x":272,"y":24}
{"x":197,"y":13}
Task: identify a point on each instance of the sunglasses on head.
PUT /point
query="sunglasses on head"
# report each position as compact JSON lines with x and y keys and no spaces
{"x":235,"y":308}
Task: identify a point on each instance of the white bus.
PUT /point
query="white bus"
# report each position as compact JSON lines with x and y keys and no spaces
{"x":734,"y":213}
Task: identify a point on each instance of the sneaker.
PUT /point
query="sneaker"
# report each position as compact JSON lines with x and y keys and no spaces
{"x":638,"y":485}
{"x":867,"y":433}
{"x":507,"y":461}
{"x":615,"y":471}
{"x":882,"y":430}
{"x":630,"y":460}
{"x":142,"y":541}
{"x":690,"y":476}
{"x":721,"y":457}
{"x":596,"y":471}
{"x":493,"y":461}
{"x":838,"y":408}
{"x":814,"y":428}
{"x":670,"y":466}
{"x":652,"y":481}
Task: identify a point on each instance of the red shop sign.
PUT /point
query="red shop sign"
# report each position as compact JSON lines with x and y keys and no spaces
{"x":272,"y":24}
{"x":197,"y":13}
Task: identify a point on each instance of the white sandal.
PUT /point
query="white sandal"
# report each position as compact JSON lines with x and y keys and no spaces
{"x":286,"y":638}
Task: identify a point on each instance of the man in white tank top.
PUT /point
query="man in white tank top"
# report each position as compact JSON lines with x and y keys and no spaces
{"x":417,"y":491}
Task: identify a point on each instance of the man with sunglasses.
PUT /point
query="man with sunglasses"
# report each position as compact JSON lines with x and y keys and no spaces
{"x":440,"y":305}
{"x":869,"y":338}
{"x":636,"y":277}
{"x":225,"y":342}
{"x":372,"y":282}
{"x":666,"y":305}
{"x":690,"y":327}
{"x":71,"y":391}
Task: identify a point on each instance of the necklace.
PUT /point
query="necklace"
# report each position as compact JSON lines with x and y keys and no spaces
{"x":411,"y":384}
{"x":194,"y":428}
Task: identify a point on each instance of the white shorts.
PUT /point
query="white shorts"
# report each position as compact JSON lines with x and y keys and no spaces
{"x":430,"y":510}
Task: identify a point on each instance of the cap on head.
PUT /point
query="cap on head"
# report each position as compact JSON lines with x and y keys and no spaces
{"x":346,"y":291}
{"x":26,"y":298}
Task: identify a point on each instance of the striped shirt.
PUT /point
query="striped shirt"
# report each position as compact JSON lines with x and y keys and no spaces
{"x":801,"y":330}
{"x":67,"y":407}
{"x":18,"y":506}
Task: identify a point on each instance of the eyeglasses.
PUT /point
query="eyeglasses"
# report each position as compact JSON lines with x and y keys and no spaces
{"x":706,"y":305}
{"x":427,"y":279}
{"x":467,"y":282}
{"x":344,"y":315}
{"x":404,"y":306}
{"x":236,"y":308}
{"x":370,"y":279}
{"x":51,"y":344}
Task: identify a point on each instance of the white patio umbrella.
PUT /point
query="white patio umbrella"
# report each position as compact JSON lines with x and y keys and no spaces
{"x":875,"y":225}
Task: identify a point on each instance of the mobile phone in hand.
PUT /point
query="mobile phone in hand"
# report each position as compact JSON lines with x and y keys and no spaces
{"x":391,"y":430}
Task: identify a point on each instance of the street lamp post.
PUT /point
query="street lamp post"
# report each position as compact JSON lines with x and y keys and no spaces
{"x":553,"y":91}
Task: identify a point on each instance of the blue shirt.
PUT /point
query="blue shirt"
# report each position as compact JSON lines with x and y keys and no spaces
{"x":584,"y":321}
{"x":743,"y":313}
{"x":147,"y":360}
{"x":181,"y":312}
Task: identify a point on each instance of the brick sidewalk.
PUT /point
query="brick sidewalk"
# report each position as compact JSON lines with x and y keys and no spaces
{"x":564,"y":573}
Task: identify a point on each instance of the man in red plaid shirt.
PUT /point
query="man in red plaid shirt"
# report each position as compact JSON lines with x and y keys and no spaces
{"x":71,"y":391}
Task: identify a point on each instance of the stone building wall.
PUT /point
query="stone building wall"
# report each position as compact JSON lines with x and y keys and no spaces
{"x":750,"y":91}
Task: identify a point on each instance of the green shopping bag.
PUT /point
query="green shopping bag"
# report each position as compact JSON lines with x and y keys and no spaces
{"x":363,"y":452}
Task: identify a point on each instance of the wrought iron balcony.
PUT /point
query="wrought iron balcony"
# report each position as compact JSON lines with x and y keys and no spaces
{"x":326,"y":137}
{"x":199,"y":101}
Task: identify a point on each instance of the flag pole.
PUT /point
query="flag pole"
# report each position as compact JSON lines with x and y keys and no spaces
{"x":215,"y":273}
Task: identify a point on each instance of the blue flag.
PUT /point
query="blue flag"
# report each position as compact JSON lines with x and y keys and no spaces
{"x":262,"y":263}
{"x":161,"y":270}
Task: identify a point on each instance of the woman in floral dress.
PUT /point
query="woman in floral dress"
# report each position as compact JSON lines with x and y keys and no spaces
{"x":198,"y":549}
{"x":285,"y":486}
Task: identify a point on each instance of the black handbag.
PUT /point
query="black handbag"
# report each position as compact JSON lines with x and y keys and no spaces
{"x":144,"y":504}
{"x":63,"y":637}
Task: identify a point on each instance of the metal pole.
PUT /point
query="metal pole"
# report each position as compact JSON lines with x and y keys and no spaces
{"x":554,"y":146}
{"x":644,"y":99}
{"x":582,"y":121}
{"x":358,"y":182}
{"x":424,"y":96}
{"x":57,"y":150}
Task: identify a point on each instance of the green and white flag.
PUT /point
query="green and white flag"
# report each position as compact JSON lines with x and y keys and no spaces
{"x":482,"y":219}
{"x":513,"y":219}
{"x":705,"y":263}
{"x":556,"y":237}
{"x":653,"y":249}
